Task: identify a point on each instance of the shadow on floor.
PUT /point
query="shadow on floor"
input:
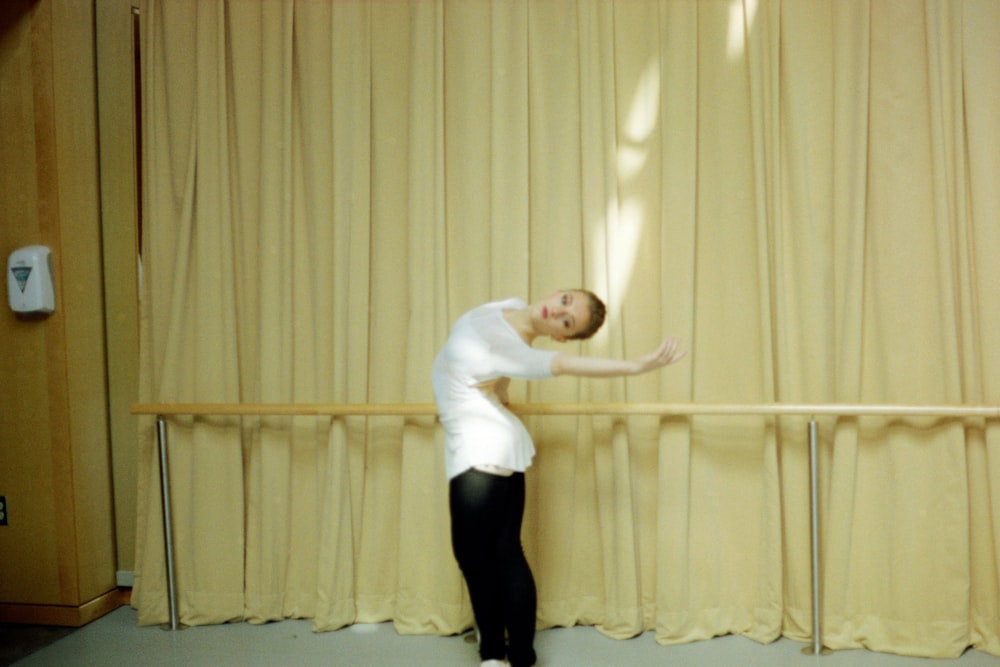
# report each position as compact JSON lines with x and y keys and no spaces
{"x":18,"y":641}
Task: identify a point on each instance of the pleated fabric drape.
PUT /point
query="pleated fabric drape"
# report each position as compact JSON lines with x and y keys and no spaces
{"x":804,"y":191}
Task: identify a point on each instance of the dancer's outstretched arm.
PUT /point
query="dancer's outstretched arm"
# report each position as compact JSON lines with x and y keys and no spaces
{"x":667,"y":353}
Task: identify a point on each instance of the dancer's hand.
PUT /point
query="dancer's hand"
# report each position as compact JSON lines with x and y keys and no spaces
{"x":667,"y":353}
{"x":497,"y":387}
{"x":500,"y":389}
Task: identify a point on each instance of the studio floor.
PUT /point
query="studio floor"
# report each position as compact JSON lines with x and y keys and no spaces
{"x":116,"y":640}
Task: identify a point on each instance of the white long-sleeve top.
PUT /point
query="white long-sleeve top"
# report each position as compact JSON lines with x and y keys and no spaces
{"x":479,"y":430}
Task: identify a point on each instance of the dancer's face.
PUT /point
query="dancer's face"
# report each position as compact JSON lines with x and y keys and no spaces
{"x":561,"y":314}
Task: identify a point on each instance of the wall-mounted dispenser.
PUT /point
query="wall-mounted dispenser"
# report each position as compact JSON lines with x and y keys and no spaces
{"x":29,"y":280}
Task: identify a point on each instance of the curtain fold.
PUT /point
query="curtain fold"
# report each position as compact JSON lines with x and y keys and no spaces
{"x":804,"y":191}
{"x":980,"y":70}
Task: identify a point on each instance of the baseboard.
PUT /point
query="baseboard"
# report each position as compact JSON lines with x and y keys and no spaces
{"x":64,"y":615}
{"x":125,"y":578}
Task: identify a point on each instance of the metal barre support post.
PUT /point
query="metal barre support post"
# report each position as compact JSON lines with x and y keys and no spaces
{"x":168,"y":531}
{"x":817,"y":645}
{"x":817,"y":626}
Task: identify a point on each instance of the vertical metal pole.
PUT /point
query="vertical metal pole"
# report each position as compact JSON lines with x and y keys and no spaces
{"x":168,"y":532}
{"x":817,"y":643}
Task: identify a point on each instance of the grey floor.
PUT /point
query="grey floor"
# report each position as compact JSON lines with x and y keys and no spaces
{"x":116,"y":640}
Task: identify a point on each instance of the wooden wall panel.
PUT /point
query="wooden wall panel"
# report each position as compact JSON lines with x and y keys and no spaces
{"x":75,"y":79}
{"x":116,"y":66}
{"x":58,"y":551}
{"x":28,"y":545}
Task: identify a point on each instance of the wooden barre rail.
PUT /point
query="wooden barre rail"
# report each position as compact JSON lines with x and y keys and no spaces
{"x":623,"y":409}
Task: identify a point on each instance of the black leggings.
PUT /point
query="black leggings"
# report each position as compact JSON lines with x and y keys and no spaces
{"x":486,"y":513}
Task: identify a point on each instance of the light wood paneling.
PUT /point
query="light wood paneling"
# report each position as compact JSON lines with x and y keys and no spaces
{"x":28,"y":545}
{"x":58,"y":551}
{"x":119,"y":216}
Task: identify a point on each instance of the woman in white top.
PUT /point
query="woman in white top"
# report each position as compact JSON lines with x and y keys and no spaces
{"x":488,"y":448}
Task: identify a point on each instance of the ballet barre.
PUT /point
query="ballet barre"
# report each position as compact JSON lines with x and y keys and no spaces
{"x":578,"y":409}
{"x":811,"y":410}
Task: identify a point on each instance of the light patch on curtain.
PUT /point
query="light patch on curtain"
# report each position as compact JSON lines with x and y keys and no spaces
{"x":627,"y":222}
{"x":625,"y":233}
{"x":640,"y":122}
{"x":741,"y":18}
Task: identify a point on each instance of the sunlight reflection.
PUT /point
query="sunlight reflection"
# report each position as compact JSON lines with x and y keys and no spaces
{"x":624,"y":237}
{"x":640,"y":122}
{"x":741,"y":17}
{"x":631,"y":160}
{"x":623,"y":221}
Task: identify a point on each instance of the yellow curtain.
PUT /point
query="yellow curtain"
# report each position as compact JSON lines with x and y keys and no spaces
{"x":805,"y":191}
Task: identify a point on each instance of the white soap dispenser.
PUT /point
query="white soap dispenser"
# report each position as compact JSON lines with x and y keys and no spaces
{"x":29,"y":281}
